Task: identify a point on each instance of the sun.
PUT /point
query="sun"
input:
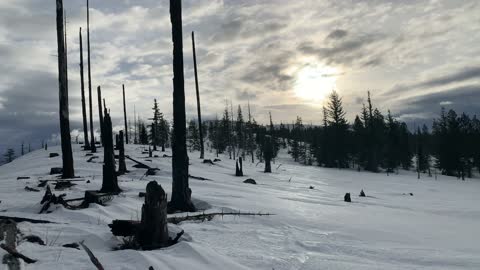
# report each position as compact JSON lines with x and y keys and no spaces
{"x":315,"y":81}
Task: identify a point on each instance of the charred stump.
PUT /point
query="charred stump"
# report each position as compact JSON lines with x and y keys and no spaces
{"x":239,"y":167}
{"x":347,"y":197}
{"x":153,"y":231}
{"x":122,"y":167}
{"x":110,"y":181}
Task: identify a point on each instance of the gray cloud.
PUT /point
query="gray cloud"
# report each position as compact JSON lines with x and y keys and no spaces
{"x":246,"y":50}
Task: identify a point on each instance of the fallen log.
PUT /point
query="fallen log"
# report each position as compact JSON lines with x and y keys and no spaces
{"x":129,"y":227}
{"x":20,"y":219}
{"x":17,"y":254}
{"x":199,"y":178}
{"x":210,"y":216}
{"x":139,"y":164}
{"x":92,"y":257}
{"x":27,"y":188}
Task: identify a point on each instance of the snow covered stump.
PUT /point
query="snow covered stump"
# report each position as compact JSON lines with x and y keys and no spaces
{"x":153,"y":231}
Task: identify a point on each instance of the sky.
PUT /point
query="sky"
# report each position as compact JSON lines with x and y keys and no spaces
{"x":284,"y":57}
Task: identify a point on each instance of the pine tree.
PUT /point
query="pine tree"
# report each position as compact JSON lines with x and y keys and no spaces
{"x":163,"y":131}
{"x":240,"y":131}
{"x":392,"y":150}
{"x":193,"y":138}
{"x":9,"y":156}
{"x":143,"y":135}
{"x":155,"y":126}
{"x":295,"y":147}
{"x":338,"y":126}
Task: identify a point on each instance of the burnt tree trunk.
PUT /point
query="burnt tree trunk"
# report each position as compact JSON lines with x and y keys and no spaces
{"x":100,"y":115}
{"x":110,"y":181}
{"x":181,"y":192}
{"x":125,"y":115}
{"x":200,"y":129}
{"x":82,"y":87}
{"x":92,"y":134}
{"x":122,"y":167}
{"x":67,"y":156}
{"x":153,"y":231}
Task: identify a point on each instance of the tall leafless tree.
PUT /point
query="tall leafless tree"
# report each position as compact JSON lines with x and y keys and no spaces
{"x":200,"y":126}
{"x":181,"y":192}
{"x":100,"y":113}
{"x":67,"y":156}
{"x":125,"y":115}
{"x":92,"y":134}
{"x":82,"y":87}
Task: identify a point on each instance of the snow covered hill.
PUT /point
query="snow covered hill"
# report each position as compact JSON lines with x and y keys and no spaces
{"x":436,"y":228}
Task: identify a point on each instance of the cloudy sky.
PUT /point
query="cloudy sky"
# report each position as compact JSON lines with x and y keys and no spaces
{"x":283,"y":56}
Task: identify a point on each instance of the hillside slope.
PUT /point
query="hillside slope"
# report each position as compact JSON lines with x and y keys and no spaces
{"x":436,"y":228}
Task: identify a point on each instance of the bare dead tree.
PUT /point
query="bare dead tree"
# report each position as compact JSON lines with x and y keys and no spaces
{"x":67,"y":156}
{"x":100,"y":114}
{"x":92,"y":135}
{"x":125,"y":115}
{"x":200,"y":129}
{"x":181,"y":192}
{"x":82,"y":87}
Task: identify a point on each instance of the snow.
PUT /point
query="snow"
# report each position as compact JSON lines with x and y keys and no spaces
{"x":436,"y":228}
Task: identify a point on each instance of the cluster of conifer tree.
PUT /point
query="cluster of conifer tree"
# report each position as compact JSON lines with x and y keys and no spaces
{"x":375,"y":141}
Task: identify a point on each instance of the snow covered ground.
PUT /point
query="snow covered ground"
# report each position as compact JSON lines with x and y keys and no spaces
{"x":437,"y":228}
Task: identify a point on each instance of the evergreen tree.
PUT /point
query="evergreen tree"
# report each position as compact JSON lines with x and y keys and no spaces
{"x":338,"y":126}
{"x":295,"y":146}
{"x":163,"y":131}
{"x":9,"y":155}
{"x":143,"y":135}
{"x":155,"y":126}
{"x":392,"y":150}
{"x":193,"y":137}
{"x":240,"y":131}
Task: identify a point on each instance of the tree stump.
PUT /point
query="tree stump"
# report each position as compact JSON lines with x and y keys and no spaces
{"x":347,"y":197}
{"x":153,"y":231}
{"x":239,"y":167}
{"x":56,"y":171}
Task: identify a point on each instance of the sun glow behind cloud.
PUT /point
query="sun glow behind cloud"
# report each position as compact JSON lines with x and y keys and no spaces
{"x":315,"y":81}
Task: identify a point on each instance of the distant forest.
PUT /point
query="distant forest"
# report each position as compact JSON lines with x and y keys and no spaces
{"x":373,"y":142}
